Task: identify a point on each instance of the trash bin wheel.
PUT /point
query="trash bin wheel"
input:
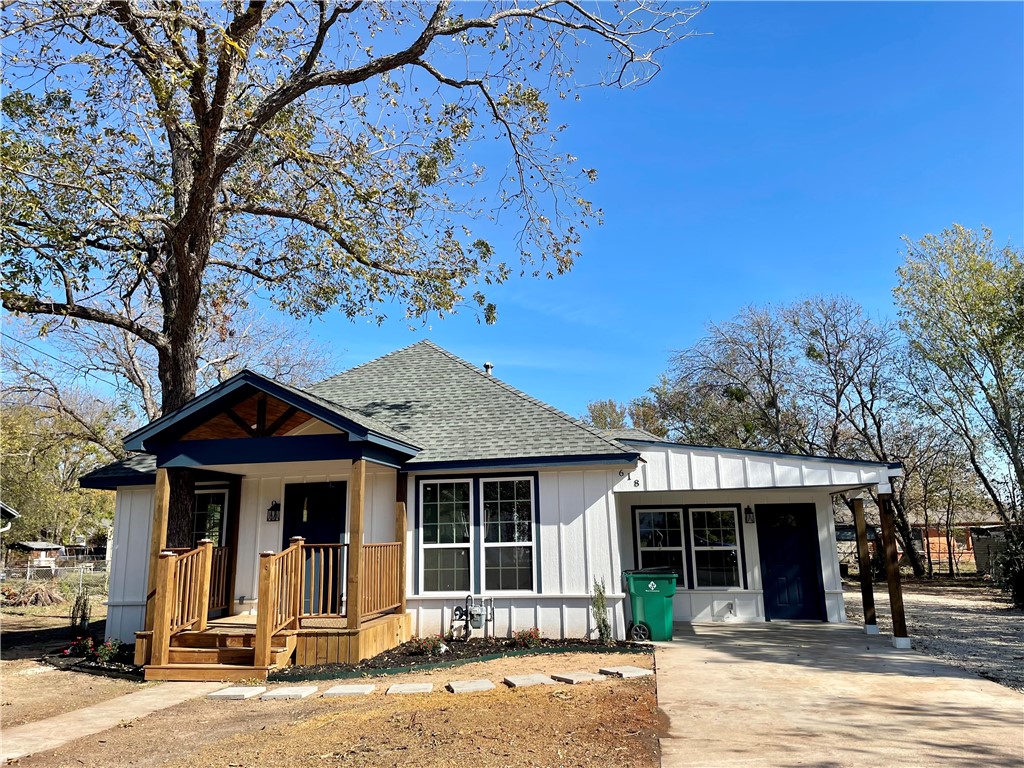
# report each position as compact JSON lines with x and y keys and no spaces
{"x":640,"y":633}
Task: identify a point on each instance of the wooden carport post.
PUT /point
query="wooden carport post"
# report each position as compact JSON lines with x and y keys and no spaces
{"x":355,"y":584}
{"x":158,"y":539}
{"x":867,"y":590}
{"x":900,"y":639}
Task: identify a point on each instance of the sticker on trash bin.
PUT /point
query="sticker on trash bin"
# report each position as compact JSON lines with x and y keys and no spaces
{"x":652,"y":586}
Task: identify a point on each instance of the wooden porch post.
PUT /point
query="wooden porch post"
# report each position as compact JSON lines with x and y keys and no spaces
{"x":401,"y":494}
{"x":205,"y":571}
{"x":900,"y":639}
{"x":158,"y":539}
{"x":163,"y":606}
{"x":355,"y":545}
{"x":867,"y":590}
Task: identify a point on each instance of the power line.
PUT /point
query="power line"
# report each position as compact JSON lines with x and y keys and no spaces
{"x":56,"y":359}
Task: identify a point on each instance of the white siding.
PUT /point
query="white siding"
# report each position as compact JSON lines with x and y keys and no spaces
{"x":129,"y":563}
{"x":578,"y":542}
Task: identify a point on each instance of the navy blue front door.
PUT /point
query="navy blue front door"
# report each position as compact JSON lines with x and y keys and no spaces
{"x":787,"y":537}
{"x":316,"y":511}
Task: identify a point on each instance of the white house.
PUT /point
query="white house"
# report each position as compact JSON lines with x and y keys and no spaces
{"x":418,"y":480}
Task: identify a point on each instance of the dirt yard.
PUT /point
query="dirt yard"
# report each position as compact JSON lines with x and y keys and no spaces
{"x":968,"y":624}
{"x":612,"y":722}
{"x":31,"y":691}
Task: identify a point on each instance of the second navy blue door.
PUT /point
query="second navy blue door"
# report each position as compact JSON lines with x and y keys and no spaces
{"x":787,"y":538}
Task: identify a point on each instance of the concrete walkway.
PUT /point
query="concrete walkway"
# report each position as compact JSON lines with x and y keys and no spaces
{"x":54,"y":732}
{"x":827,"y":695}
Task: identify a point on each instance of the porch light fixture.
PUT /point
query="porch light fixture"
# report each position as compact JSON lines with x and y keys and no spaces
{"x":274,"y":512}
{"x":748,"y":515}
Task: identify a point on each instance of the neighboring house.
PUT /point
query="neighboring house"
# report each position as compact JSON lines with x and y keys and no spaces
{"x":989,"y":544}
{"x":38,"y":554}
{"x":417,"y":480}
{"x":7,"y":517}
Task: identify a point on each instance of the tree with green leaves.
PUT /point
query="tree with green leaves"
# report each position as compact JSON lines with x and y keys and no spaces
{"x":340,"y":154}
{"x":959,"y":298}
{"x":39,"y":477}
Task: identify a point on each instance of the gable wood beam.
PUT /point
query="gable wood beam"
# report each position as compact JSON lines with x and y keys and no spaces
{"x":867,"y":590}
{"x":355,"y":545}
{"x":158,"y":539}
{"x":261,"y":415}
{"x":281,"y":420}
{"x":230,"y":412}
{"x":401,"y":518}
{"x":900,"y":638}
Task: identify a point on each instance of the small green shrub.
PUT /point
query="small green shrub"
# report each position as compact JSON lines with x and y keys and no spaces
{"x":108,"y":651}
{"x":427,"y":646}
{"x":83,"y":647}
{"x":600,"y":606}
{"x":526,"y":638}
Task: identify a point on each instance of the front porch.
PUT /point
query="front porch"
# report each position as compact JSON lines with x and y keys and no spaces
{"x":318,"y":604}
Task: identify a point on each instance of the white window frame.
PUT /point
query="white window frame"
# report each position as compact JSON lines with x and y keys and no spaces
{"x":681,"y":581}
{"x":498,"y":544}
{"x":694,"y":548}
{"x":425,"y":546}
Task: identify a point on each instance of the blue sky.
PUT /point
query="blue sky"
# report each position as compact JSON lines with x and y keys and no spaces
{"x":781,"y":156}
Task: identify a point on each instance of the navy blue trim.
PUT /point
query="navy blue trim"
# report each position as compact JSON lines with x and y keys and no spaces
{"x":417,"y":587}
{"x":777,"y":454}
{"x":196,"y":412}
{"x":263,"y":450}
{"x":111,"y":481}
{"x":478,"y":538}
{"x":523,"y":461}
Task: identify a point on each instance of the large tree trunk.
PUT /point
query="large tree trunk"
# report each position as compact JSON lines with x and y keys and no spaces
{"x":177,"y":370}
{"x":906,"y":536}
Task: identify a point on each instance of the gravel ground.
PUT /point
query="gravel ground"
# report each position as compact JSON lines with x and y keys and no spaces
{"x":972,"y":627}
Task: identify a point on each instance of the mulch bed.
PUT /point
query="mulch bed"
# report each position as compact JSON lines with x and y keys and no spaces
{"x":409,"y":658}
{"x":121,"y":666}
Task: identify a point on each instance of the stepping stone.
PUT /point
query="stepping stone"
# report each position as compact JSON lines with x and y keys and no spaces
{"x":410,"y":688}
{"x":292,"y":692}
{"x":470,"y":686}
{"x":525,"y":681}
{"x":360,"y":689}
{"x":574,"y":678}
{"x":238,"y":692}
{"x":626,"y":672}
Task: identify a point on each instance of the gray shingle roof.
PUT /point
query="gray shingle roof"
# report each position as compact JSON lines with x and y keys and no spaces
{"x":456,"y":412}
{"x":140,"y":466}
{"x":634,"y":433}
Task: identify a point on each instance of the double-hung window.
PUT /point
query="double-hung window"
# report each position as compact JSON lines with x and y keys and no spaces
{"x":447,"y":535}
{"x":508,"y":533}
{"x":716,"y":550}
{"x":660,"y":539}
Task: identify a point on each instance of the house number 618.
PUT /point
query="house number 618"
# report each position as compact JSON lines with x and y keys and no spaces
{"x":629,"y":476}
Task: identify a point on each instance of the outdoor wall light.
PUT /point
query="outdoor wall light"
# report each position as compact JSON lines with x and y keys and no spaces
{"x":274,"y":512}
{"x":748,"y":515}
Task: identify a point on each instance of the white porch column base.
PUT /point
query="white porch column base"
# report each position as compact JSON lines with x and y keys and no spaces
{"x":870,"y":629}
{"x":901,"y":642}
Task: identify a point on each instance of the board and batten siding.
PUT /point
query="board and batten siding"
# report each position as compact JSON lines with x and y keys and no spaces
{"x":576,"y":543}
{"x":129,"y":563}
{"x":264,"y":484}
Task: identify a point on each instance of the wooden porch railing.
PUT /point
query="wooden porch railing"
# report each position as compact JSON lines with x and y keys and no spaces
{"x":280,"y":597}
{"x":382,"y":587}
{"x":323,"y":579}
{"x":220,"y":580}
{"x":182,"y":596}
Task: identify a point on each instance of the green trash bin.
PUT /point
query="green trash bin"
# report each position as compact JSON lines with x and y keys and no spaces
{"x":650,"y":596}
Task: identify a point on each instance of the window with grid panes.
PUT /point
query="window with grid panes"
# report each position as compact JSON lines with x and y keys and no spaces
{"x":446,"y":532}
{"x":660,"y":540}
{"x":508,"y":534}
{"x":716,"y":550}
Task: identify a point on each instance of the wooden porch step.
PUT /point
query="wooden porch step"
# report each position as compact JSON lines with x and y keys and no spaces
{"x":209,"y":673}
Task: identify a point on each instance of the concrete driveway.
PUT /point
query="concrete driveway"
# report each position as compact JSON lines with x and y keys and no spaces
{"x":826,"y":695}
